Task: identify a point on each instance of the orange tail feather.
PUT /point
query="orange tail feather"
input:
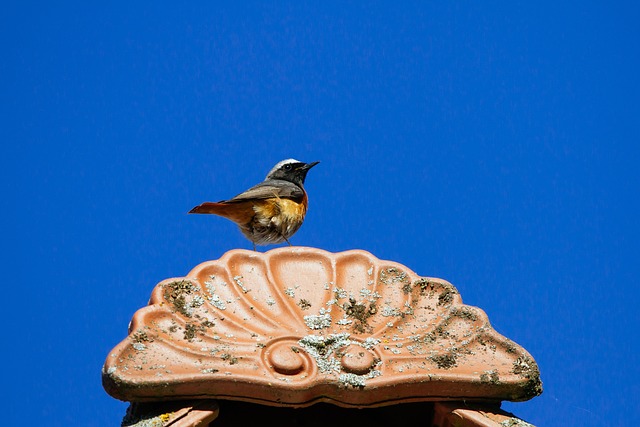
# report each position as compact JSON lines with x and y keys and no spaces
{"x":240,"y":213}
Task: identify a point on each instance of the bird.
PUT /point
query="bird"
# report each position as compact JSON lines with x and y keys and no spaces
{"x":271,"y":211}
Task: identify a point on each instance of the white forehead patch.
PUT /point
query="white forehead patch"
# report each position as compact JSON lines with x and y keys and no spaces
{"x":282,"y":163}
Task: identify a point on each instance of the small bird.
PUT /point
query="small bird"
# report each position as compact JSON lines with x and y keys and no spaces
{"x":272,"y":211}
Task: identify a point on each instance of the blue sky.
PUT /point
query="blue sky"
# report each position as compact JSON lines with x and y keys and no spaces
{"x":495,"y":146}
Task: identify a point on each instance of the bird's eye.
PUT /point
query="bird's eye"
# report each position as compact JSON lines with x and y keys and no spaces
{"x":287,"y":167}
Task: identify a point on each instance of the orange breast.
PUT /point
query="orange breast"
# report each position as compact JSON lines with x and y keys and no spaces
{"x":282,"y":210}
{"x":293,"y":209}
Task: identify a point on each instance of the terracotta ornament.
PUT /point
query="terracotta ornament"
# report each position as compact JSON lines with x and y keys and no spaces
{"x":295,"y":326}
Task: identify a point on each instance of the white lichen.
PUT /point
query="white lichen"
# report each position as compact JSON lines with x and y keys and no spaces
{"x":389,"y":311}
{"x":319,"y":321}
{"x":369,"y":343}
{"x":515,"y":422}
{"x":327,"y":352}
{"x":213,"y":298}
{"x":323,"y":349}
{"x":240,"y":284}
{"x":339,"y":293}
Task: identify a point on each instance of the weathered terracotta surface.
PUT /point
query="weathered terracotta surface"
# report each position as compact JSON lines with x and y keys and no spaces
{"x":193,"y":413}
{"x":459,"y":414}
{"x":296,"y":326}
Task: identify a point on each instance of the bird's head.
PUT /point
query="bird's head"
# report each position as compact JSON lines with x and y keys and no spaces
{"x":291,"y":170}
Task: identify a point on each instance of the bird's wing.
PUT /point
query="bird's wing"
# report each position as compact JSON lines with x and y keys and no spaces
{"x":268,"y":189}
{"x":241,"y":208}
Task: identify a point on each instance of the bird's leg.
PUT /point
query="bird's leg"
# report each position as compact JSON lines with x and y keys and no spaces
{"x":254,"y":246}
{"x":287,"y":240}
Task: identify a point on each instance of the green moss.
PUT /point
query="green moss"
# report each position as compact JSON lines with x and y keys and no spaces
{"x":304,"y":304}
{"x":141,"y":336}
{"x":490,"y":377}
{"x":229,"y":358}
{"x":423,"y":284}
{"x":527,"y":368}
{"x":360,"y":312}
{"x":445,"y":361}
{"x":464,"y":313}
{"x":190,"y":331}
{"x":175,"y":293}
{"x":446,"y":296}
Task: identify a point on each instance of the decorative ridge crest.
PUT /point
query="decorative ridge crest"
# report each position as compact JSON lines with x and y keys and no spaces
{"x":296,"y":326}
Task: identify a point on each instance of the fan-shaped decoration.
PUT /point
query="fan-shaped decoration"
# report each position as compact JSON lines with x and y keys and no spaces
{"x":295,"y":326}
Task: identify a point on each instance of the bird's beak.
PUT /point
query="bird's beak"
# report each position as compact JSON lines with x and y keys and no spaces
{"x":309,"y":165}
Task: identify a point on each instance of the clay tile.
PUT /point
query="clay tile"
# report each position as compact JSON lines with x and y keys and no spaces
{"x":171,"y":414}
{"x":296,"y":326}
